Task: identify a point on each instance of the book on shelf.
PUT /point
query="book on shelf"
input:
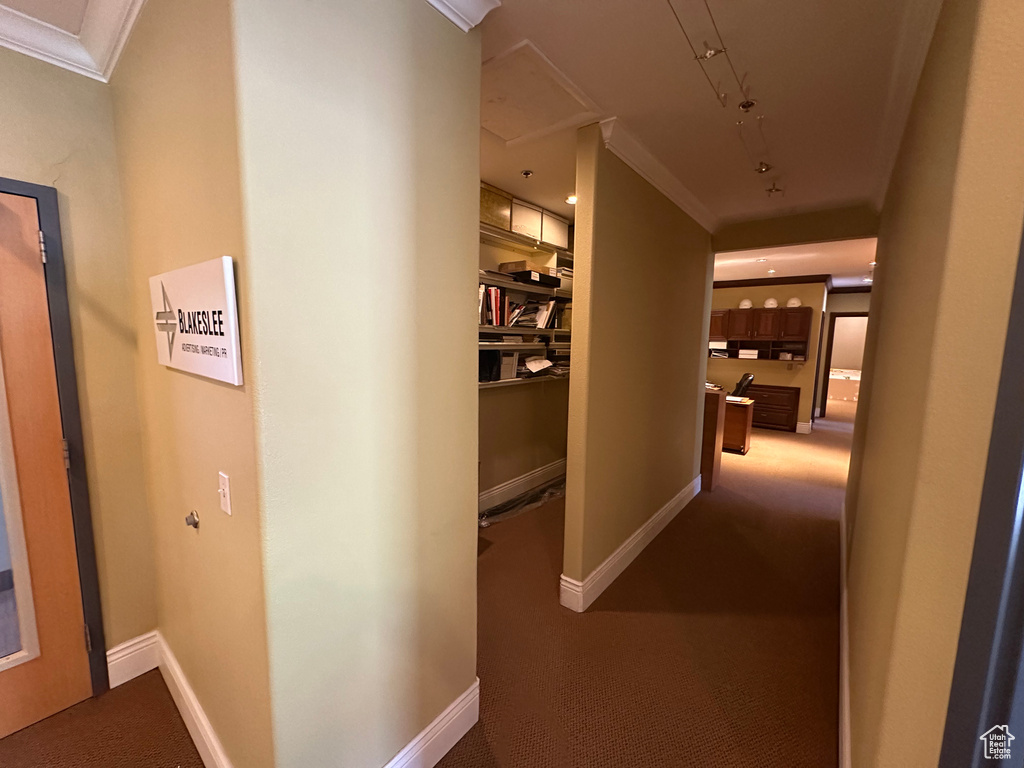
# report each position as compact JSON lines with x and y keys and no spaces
{"x":509,"y":365}
{"x":546,"y":314}
{"x":490,"y":365}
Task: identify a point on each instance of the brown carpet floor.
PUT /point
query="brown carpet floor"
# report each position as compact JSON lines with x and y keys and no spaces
{"x":136,"y":725}
{"x":717,"y":647}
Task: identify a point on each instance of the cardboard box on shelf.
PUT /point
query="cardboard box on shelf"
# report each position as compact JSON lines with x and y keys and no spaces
{"x":521,"y":266}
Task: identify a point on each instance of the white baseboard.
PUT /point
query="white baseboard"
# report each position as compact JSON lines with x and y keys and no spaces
{"x":150,"y":651}
{"x":199,"y":728}
{"x":509,"y":490}
{"x":845,"y":750}
{"x":133,"y":658}
{"x":434,"y":742}
{"x":578,"y":596}
{"x":803,"y":427}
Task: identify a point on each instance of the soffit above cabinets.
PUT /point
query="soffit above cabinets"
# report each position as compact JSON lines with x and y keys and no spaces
{"x":83,"y":36}
{"x":851,"y":263}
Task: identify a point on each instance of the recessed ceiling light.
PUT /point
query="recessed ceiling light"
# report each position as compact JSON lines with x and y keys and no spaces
{"x":527,"y":174}
{"x":571,"y":199}
{"x":761,"y":261}
{"x":771,"y":271}
{"x":872,"y":263}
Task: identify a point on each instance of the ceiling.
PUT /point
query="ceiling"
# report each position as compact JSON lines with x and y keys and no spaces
{"x":834,"y":81}
{"x":66,"y":15}
{"x":848,"y":261}
{"x":84,"y":36}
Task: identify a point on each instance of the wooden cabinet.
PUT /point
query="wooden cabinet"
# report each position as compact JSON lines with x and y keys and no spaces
{"x":783,"y":324}
{"x":719,"y":323}
{"x":795,"y":324}
{"x":765,"y":326}
{"x":740,"y":324}
{"x":775,"y":407}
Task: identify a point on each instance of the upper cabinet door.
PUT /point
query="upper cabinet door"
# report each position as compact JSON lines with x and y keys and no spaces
{"x":526,"y":220}
{"x":495,"y":208}
{"x":796,"y":324}
{"x":766,"y":325}
{"x":740,"y":325}
{"x":554,"y":230}
{"x":719,"y":323}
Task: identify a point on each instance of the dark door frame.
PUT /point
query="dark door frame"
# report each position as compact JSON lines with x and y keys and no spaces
{"x":67,"y":389}
{"x":989,"y":653}
{"x":828,"y":353}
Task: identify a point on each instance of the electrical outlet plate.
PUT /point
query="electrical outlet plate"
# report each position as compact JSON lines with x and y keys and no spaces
{"x":225,"y":492}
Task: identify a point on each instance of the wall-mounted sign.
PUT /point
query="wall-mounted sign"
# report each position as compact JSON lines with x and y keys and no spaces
{"x":196,"y":320}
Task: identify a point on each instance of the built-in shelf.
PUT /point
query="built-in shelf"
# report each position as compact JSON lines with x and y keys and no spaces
{"x":521,"y":243}
{"x":517,"y":287}
{"x":515,"y":382}
{"x":559,"y":345}
{"x":511,"y":346}
{"x":521,"y":330}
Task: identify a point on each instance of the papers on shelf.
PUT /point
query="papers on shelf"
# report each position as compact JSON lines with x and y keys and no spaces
{"x":535,"y":364}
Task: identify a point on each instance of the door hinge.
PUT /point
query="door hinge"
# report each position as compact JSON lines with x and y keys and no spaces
{"x":88,"y":640}
{"x":67,"y":455}
{"x":42,"y":245}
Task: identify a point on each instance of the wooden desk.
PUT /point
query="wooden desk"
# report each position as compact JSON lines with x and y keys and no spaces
{"x":739,"y":419}
{"x":714,"y":434}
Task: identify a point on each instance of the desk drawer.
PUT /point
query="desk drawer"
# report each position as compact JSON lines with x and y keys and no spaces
{"x":773,"y":397}
{"x":778,"y":418}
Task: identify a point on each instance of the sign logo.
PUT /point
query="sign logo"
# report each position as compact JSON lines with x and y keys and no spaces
{"x":997,"y":742}
{"x":166,"y":322}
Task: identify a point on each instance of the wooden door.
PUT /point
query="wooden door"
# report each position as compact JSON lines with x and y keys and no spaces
{"x":49,"y":669}
{"x":795,"y":324}
{"x":765,"y":325}
{"x":740,"y":325}
{"x":719,"y":321}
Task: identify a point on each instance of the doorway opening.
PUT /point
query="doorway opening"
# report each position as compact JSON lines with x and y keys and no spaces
{"x":844,"y":362}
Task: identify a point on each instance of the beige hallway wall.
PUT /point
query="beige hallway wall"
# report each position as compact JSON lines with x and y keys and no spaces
{"x":177,"y":140}
{"x":639,"y":350}
{"x":57,"y":129}
{"x":360,"y":157}
{"x":947,"y":256}
{"x":522,"y":428}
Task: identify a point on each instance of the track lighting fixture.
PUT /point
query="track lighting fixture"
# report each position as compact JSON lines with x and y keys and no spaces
{"x":709,"y":52}
{"x":775,"y":189}
{"x":763,"y":167}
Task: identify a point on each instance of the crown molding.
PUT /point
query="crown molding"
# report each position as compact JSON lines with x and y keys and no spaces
{"x":639,"y":158}
{"x":465,"y":14}
{"x":915,"y":38}
{"x":93,"y":52}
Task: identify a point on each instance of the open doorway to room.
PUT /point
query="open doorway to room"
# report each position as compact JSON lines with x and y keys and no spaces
{"x":843,"y":364}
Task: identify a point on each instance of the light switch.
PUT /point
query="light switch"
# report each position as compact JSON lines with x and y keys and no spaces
{"x":225,"y":492}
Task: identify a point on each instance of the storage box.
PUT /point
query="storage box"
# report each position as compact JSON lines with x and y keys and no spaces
{"x":536,"y":278}
{"x":521,"y":266}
